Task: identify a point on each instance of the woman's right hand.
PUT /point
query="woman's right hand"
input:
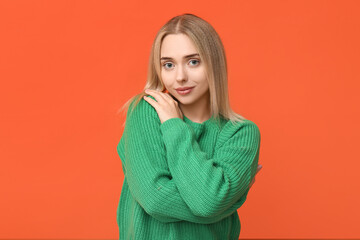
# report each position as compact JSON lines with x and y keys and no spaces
{"x":258,"y":169}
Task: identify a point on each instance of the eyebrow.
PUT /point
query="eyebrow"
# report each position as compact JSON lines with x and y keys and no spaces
{"x":187,"y":56}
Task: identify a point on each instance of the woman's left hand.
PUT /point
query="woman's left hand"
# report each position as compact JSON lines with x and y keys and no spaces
{"x":165,"y":106}
{"x":257,"y":170}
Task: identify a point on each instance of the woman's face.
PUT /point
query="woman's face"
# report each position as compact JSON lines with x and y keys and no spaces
{"x":182,"y":67}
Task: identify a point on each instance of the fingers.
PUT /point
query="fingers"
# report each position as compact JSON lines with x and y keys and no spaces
{"x":160,"y":96}
{"x":152,"y":102}
{"x":155,"y":94}
{"x":259,"y":167}
{"x":168,"y":96}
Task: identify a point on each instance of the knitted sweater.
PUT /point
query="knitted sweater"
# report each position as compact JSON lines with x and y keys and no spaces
{"x":182,"y":179}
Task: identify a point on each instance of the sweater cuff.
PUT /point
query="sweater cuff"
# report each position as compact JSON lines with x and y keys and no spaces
{"x":171,"y":125}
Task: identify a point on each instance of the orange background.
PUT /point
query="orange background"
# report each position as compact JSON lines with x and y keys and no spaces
{"x":66,"y":67}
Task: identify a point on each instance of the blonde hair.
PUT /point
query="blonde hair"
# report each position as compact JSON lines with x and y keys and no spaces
{"x":212,"y":54}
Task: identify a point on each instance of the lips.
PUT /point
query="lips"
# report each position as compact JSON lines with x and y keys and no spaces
{"x":186,"y":90}
{"x":183,"y":88}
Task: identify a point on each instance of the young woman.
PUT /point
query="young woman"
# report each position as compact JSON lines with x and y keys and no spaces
{"x":188,"y":159}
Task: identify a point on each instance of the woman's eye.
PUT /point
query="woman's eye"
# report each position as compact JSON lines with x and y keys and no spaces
{"x":167,"y":65}
{"x":194,"y":62}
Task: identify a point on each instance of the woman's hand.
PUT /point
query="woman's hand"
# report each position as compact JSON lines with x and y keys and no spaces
{"x":258,"y":169}
{"x":165,"y":106}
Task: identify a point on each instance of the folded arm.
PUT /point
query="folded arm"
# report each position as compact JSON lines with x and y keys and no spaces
{"x":155,"y":170}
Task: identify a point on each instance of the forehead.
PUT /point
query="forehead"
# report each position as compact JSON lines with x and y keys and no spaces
{"x":177,"y":45}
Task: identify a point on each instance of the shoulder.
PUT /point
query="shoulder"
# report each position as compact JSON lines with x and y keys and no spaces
{"x":250,"y":126}
{"x":141,"y":112}
{"x":244,"y":125}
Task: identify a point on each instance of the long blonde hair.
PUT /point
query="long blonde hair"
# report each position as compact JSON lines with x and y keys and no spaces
{"x":212,"y":54}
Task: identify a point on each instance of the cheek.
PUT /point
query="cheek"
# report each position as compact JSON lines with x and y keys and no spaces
{"x":199,"y":75}
{"x":167,"y":78}
{"x":200,"y":79}
{"x":164,"y":78}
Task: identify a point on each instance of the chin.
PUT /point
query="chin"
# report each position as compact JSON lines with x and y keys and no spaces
{"x":185,"y":102}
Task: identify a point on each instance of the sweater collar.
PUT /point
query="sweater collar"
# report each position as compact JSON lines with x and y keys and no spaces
{"x":210,"y":123}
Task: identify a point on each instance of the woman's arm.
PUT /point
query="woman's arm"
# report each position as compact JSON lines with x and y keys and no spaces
{"x":210,"y":186}
{"x":148,"y":175}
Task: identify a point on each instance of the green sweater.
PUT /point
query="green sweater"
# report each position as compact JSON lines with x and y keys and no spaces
{"x":184,"y":180}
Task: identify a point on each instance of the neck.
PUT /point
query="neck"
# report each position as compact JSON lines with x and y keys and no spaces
{"x":198,"y":111}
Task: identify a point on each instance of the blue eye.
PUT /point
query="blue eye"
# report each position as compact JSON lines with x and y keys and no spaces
{"x":167,"y":65}
{"x":196,"y":62}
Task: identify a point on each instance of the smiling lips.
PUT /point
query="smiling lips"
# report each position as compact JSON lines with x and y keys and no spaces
{"x":184,"y":90}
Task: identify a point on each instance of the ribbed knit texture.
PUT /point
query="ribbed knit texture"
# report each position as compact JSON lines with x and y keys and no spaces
{"x":184,"y":180}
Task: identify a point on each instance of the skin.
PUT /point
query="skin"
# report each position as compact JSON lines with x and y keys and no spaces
{"x":181,"y":67}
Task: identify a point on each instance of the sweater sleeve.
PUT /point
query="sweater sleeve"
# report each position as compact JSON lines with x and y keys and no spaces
{"x":210,"y":186}
{"x":147,"y":173}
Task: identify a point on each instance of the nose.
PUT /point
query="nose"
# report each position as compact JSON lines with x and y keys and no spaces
{"x":181,"y":73}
